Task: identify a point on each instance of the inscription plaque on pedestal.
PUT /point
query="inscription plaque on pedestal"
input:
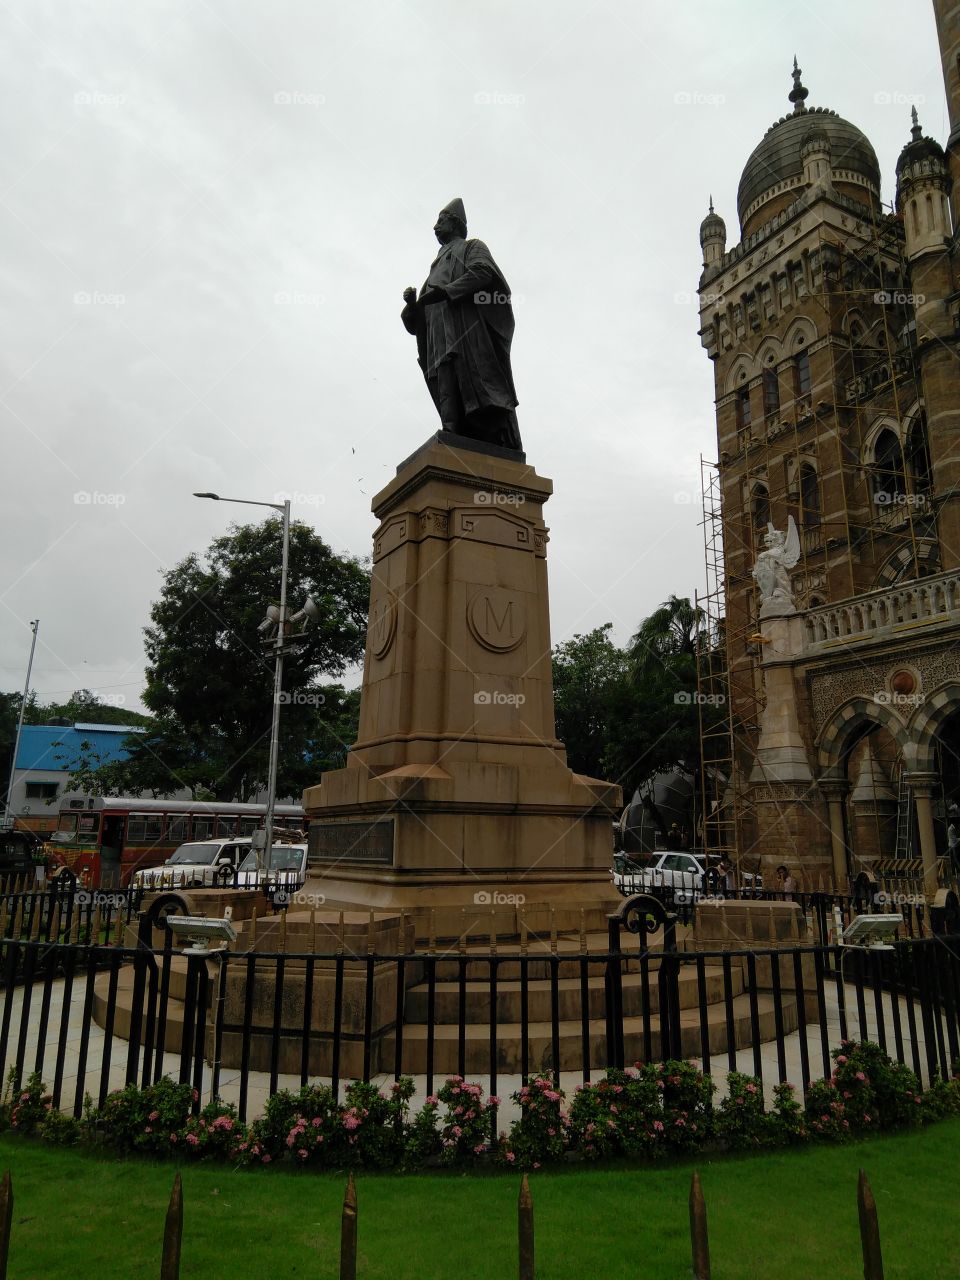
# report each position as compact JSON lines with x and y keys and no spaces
{"x":367,"y":842}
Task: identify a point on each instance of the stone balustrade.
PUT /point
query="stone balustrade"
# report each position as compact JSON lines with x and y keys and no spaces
{"x":923,"y":602}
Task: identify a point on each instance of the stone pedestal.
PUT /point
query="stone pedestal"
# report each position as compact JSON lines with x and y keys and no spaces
{"x":457,"y":792}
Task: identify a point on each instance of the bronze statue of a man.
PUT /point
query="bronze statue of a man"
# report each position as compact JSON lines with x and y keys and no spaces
{"x":463,"y":323}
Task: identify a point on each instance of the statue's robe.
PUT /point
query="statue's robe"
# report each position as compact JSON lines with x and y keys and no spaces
{"x":473,"y":329}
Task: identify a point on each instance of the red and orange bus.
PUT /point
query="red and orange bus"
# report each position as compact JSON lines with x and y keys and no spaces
{"x":105,"y":839}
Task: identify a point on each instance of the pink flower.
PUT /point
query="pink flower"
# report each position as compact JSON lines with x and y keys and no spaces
{"x":478,"y":1148}
{"x":266,"y":1159}
{"x":154,"y":1115}
{"x":432,"y":1100}
{"x":196,"y":1096}
{"x":148,"y":1129}
{"x":861,"y":1076}
{"x":493,"y":1101}
{"x":173,"y":1137}
{"x":351,"y":1122}
{"x":316,"y":1122}
{"x":509,"y":1157}
{"x":456,"y":1131}
{"x":751,"y":1088}
{"x":302,"y":1153}
{"x":552,"y":1096}
{"x":192,"y":1139}
{"x":658,"y":1125}
{"x":841,"y":1058}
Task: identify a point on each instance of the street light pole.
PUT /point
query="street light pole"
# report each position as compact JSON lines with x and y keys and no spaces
{"x":277,"y":691}
{"x":284,"y":508}
{"x":8,"y":803}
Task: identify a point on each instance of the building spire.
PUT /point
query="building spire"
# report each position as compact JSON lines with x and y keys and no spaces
{"x":711,"y":197}
{"x":916,"y":132}
{"x":798,"y":93}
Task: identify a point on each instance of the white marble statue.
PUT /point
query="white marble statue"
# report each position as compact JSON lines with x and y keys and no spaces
{"x":780,"y":553}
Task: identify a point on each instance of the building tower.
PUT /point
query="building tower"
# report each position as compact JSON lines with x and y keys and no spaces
{"x":832,"y":327}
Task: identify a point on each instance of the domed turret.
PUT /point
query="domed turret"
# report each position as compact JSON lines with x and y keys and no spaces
{"x":713,"y":238}
{"x":923,"y":185}
{"x":811,"y":148}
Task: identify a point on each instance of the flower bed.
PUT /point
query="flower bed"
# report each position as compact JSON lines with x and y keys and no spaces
{"x":647,"y":1112}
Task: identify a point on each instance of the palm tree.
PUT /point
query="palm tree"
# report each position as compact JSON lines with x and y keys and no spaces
{"x":669,"y":633}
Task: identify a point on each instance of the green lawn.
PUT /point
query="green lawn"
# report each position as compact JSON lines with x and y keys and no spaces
{"x":791,"y":1214}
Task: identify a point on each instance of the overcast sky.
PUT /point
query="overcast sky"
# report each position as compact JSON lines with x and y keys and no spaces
{"x":211,"y":209}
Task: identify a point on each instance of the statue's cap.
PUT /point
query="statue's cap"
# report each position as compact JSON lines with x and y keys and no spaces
{"x":455,"y":207}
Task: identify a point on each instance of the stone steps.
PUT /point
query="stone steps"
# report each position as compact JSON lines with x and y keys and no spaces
{"x":539,"y":1040}
{"x":570,"y":993}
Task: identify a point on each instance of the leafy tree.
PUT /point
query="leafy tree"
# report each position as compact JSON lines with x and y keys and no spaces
{"x":587,"y":673}
{"x":210,"y":680}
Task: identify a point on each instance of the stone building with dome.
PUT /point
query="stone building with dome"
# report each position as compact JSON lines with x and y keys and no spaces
{"x":833,"y":324}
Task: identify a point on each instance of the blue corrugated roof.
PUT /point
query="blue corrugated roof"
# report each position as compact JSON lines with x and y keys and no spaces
{"x":57,"y":748}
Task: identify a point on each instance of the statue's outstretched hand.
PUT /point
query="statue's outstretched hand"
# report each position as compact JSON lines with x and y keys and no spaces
{"x":409,"y":295}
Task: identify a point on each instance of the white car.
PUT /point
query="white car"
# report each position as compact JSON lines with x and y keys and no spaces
{"x":201,"y":864}
{"x":288,"y":868}
{"x":683,"y":874}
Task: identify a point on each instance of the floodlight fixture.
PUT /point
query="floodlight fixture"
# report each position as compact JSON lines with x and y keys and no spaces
{"x":201,"y":931}
{"x":872,"y":931}
{"x":309,"y":613}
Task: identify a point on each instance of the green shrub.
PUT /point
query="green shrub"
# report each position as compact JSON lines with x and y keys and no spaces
{"x":151,"y":1119}
{"x":467,"y":1121}
{"x":540,"y":1134}
{"x":741,"y":1120}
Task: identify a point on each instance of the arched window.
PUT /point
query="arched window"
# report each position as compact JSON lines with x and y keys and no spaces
{"x":744,"y":415}
{"x":801,"y":369}
{"x":918,"y":456}
{"x":760,"y":508}
{"x":771,"y":393}
{"x":888,"y":480}
{"x":809,"y":496}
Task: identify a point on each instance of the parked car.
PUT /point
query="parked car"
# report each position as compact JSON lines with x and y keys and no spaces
{"x":197,"y":865}
{"x":287,"y":869}
{"x":686,"y":877}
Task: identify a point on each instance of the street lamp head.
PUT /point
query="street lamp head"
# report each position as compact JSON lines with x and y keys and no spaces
{"x":214,"y":496}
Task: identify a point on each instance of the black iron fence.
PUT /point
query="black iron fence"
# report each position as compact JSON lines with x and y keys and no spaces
{"x":67,"y":913}
{"x":90,"y":1017}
